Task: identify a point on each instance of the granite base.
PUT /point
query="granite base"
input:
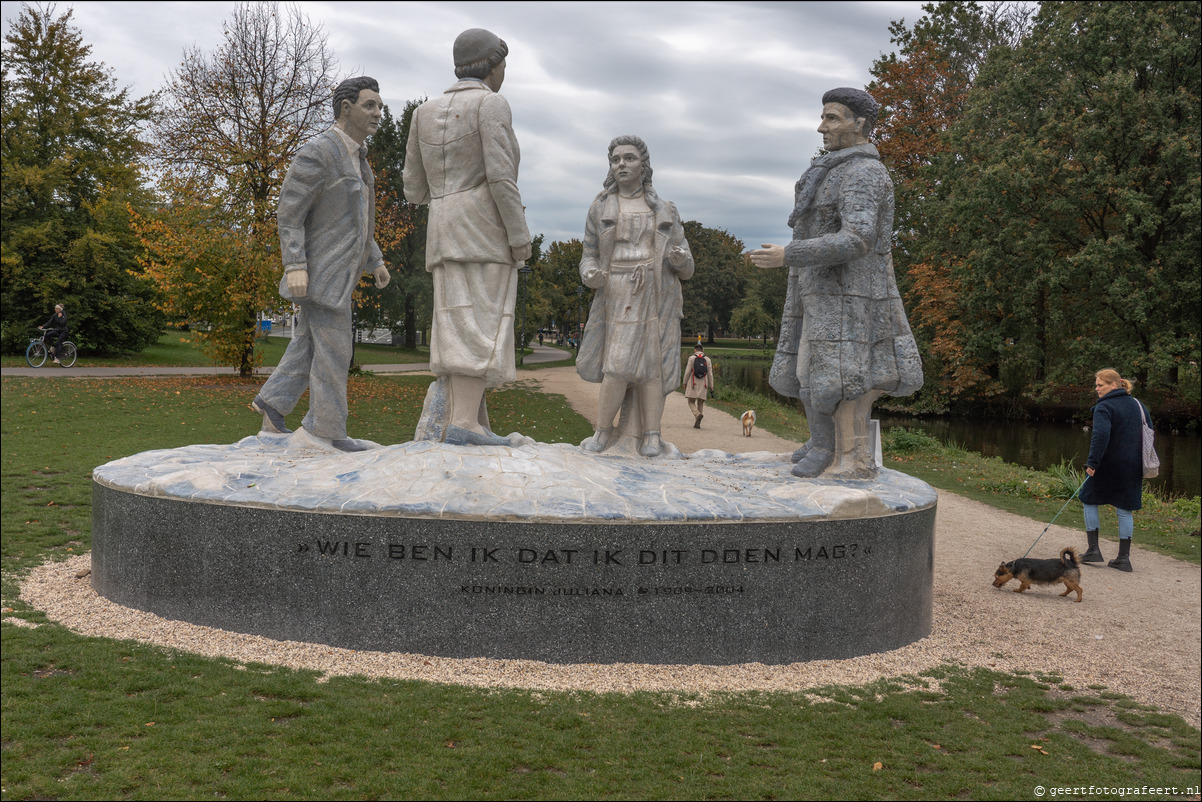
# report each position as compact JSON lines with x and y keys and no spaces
{"x":557,"y":587}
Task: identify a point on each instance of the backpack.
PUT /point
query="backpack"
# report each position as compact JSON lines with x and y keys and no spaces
{"x":700,"y":368}
{"x":1150,"y":459}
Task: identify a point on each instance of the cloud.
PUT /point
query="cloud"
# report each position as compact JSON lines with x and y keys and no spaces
{"x":727,"y":95}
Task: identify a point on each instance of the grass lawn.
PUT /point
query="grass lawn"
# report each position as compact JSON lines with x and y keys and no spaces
{"x":89,"y":718}
{"x":178,"y":349}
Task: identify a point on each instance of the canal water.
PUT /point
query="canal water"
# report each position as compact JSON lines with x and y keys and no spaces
{"x":1034,"y":444}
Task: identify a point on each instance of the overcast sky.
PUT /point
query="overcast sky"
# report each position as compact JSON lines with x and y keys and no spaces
{"x":726,"y":95}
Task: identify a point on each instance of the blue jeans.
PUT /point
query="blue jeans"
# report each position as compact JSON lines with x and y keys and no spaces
{"x":1126,"y":521}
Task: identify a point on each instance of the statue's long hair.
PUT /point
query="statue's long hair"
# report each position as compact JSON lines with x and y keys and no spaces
{"x":610,"y":184}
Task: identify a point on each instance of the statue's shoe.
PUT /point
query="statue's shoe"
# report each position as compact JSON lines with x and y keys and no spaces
{"x":598,"y":441}
{"x":273,"y":421}
{"x":815,"y":462}
{"x":652,"y":446}
{"x":459,"y":436}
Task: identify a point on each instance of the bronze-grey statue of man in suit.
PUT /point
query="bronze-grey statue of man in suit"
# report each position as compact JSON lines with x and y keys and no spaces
{"x":326,"y":218}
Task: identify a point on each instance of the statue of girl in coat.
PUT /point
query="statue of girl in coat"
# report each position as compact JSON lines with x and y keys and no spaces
{"x":635,"y":256}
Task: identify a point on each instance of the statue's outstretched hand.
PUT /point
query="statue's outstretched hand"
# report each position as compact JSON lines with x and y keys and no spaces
{"x":593,"y":277}
{"x":768,"y":256}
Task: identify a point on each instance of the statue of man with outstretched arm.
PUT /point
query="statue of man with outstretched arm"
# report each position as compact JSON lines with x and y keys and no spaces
{"x":844,"y":338}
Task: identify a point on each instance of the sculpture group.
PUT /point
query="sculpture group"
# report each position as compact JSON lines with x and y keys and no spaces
{"x":452,"y":545}
{"x":844,"y":337}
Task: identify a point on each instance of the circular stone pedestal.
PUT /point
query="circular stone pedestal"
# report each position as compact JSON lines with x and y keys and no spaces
{"x":539,"y":552}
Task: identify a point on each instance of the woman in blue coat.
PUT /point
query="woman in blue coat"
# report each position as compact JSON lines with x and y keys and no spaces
{"x":1115,"y":464}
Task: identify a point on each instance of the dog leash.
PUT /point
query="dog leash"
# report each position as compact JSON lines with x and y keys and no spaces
{"x":1057,"y":515}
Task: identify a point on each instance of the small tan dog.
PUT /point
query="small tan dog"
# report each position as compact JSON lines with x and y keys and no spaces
{"x":748,"y":422}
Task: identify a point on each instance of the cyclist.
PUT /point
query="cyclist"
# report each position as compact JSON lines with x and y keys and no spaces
{"x":57,"y":325}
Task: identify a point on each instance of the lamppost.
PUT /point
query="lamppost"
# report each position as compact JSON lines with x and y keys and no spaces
{"x":354,"y":332}
{"x":579,"y":315}
{"x":524,"y":272}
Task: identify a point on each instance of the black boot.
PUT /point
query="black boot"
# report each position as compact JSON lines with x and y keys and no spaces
{"x":1094,"y":554}
{"x":1123,"y":561}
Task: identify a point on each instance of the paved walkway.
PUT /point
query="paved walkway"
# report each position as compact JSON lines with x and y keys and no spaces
{"x":540,"y":354}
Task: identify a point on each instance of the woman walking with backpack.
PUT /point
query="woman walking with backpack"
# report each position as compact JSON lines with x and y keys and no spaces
{"x":1115,"y":464}
{"x":698,"y":383}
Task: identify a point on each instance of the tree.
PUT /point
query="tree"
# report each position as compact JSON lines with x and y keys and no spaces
{"x":533,"y":305}
{"x":405,"y":304}
{"x":1073,"y":201}
{"x":751,"y":319}
{"x":923,"y":89}
{"x":716,"y":287}
{"x":200,"y":255}
{"x":558,"y":271}
{"x":69,"y":151}
{"x":230,"y":125}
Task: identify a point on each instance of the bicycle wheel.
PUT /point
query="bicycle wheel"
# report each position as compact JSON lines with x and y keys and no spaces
{"x":66,"y":354}
{"x":35,"y":354}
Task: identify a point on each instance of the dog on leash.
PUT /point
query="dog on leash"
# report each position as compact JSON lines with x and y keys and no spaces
{"x":748,"y":422}
{"x":1042,"y":572}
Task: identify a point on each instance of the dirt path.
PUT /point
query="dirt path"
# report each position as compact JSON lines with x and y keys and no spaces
{"x":1139,"y":634}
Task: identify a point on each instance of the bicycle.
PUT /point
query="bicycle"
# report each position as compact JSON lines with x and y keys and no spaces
{"x":37,"y":352}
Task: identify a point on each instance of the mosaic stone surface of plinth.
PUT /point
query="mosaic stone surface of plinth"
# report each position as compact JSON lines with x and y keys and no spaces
{"x":538,"y":552}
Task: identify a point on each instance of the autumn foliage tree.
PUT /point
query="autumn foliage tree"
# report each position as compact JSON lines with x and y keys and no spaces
{"x":211,"y":274}
{"x":1077,"y":210}
{"x":404,"y":305}
{"x":230,"y":123}
{"x":1048,"y":194}
{"x":69,"y":151}
{"x":923,"y":89}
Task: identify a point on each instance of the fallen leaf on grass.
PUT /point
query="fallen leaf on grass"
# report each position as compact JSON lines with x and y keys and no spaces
{"x":877,"y":766}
